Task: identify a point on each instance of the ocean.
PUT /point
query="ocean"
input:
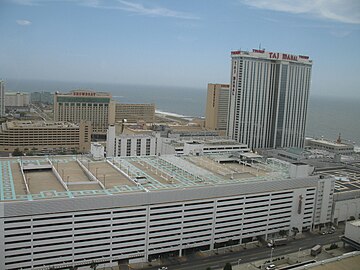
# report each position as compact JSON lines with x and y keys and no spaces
{"x":327,"y":116}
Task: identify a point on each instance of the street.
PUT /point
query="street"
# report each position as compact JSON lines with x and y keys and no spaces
{"x":218,"y":261}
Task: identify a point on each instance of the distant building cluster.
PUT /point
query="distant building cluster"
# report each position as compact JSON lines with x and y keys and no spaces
{"x":42,"y":97}
{"x":2,"y":98}
{"x":17,"y":99}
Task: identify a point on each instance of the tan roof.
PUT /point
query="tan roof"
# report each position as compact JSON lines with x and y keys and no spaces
{"x":71,"y":176}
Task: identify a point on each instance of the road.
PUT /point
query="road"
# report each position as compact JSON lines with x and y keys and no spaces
{"x":250,"y":255}
{"x":40,"y":113}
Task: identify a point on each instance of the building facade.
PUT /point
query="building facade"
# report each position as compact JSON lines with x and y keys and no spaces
{"x":17,"y":99}
{"x":45,"y":136}
{"x":123,"y":145}
{"x":135,"y":112}
{"x":333,"y":147}
{"x":198,"y":146}
{"x":2,"y":98}
{"x":96,"y":107}
{"x":149,"y":207}
{"x":268,"y":99}
{"x":217,"y":107}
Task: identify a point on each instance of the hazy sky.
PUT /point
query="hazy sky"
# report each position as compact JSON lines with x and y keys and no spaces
{"x":176,"y":43}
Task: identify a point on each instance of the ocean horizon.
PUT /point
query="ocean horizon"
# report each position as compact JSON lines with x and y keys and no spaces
{"x":327,"y":116}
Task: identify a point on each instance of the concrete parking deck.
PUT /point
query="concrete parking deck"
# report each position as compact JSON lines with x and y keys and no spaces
{"x":76,"y":176}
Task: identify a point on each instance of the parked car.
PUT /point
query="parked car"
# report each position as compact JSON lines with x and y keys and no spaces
{"x":271,"y":267}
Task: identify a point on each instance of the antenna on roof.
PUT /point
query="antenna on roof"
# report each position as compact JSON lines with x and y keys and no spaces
{"x":260,"y":46}
{"x":339,"y":139}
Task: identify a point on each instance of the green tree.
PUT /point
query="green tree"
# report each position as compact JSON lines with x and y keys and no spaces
{"x":295,"y":230}
{"x":208,"y":268}
{"x":93,"y":265}
{"x":282,"y":233}
{"x":17,"y":152}
{"x":227,"y":266}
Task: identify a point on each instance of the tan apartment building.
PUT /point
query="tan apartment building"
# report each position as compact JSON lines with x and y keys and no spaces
{"x":17,"y":99}
{"x":217,"y":107}
{"x":42,"y":135}
{"x":135,"y":112}
{"x":96,"y":107}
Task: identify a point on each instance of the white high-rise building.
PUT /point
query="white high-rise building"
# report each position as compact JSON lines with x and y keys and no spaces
{"x":268,"y":99}
{"x":2,"y":98}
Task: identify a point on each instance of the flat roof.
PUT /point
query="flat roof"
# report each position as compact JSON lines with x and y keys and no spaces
{"x":330,"y":143}
{"x":355,"y":222}
{"x":250,"y":155}
{"x":348,"y":263}
{"x":346,"y":179}
{"x":35,"y":178}
{"x":38,"y":124}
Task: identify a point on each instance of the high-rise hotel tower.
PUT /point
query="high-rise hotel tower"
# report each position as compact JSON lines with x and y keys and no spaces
{"x":217,"y":107}
{"x":268,"y":98}
{"x":96,"y":107}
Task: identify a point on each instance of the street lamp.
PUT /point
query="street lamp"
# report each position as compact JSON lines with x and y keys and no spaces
{"x":271,"y":254}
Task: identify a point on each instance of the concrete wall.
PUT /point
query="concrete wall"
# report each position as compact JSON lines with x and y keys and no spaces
{"x":343,"y":210}
{"x":352,"y":230}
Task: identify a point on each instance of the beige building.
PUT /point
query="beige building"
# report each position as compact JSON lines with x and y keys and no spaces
{"x":333,"y":147}
{"x":48,"y":136}
{"x":217,"y":107}
{"x":135,"y":112}
{"x":96,"y":107}
{"x":17,"y":99}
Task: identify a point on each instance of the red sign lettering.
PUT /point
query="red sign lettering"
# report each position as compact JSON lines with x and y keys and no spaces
{"x":289,"y":57}
{"x":274,"y":55}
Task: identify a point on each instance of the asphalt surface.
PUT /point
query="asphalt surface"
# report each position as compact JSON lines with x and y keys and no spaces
{"x":194,"y":262}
